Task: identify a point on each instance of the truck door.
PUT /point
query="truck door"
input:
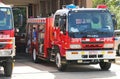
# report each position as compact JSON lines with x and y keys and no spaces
{"x":56,"y":31}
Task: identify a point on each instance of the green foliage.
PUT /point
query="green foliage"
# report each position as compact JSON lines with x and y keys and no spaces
{"x":113,"y":6}
{"x":96,"y":2}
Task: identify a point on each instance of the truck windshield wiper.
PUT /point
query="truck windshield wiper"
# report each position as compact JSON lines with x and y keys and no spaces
{"x":103,"y":32}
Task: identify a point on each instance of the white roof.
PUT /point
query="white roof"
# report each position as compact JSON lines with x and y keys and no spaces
{"x":65,"y":10}
{"x":3,"y":5}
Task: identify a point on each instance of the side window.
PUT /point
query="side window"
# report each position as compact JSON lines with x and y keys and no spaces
{"x":56,"y":22}
{"x":62,"y":22}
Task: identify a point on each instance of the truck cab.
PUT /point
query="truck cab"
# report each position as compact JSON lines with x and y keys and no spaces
{"x":7,"y":39}
{"x":84,"y":35}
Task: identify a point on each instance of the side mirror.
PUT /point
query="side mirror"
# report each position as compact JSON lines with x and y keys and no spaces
{"x":16,"y":30}
{"x":63,"y":27}
{"x":114,"y":21}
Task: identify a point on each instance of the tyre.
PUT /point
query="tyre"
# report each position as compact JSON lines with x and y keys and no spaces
{"x":8,"y":67}
{"x":60,"y":66}
{"x":105,"y":65}
{"x":34,"y":56}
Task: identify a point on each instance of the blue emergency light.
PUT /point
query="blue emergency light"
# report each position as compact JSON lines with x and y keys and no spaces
{"x":71,"y":6}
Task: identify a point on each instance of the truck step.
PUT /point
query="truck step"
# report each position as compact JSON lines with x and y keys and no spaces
{"x":52,"y":57}
{"x":117,"y":60}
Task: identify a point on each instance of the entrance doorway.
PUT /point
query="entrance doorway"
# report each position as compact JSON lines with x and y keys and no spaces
{"x":20,"y":34}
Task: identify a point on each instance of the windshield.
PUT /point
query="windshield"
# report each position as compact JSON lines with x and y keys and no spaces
{"x":90,"y":24}
{"x":5,"y":19}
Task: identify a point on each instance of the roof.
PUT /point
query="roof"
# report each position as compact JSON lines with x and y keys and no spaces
{"x":65,"y":10}
{"x":3,"y":5}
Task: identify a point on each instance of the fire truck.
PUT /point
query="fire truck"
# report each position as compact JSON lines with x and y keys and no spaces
{"x":73,"y":36}
{"x":7,"y":39}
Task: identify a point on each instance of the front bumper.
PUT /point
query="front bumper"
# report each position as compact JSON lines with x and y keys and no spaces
{"x":7,"y":53}
{"x":90,"y":54}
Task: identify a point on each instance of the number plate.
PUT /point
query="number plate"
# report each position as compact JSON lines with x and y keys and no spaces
{"x":93,"y":52}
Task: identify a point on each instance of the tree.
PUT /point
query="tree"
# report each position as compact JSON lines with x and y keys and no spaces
{"x":113,"y":6}
{"x":96,"y":2}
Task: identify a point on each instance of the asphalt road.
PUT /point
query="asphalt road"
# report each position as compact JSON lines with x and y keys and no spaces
{"x":26,"y":69}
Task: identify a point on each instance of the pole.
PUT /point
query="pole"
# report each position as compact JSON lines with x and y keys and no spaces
{"x":58,"y":4}
{"x":78,"y":3}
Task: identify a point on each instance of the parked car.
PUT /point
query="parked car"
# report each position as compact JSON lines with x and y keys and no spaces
{"x":117,"y":41}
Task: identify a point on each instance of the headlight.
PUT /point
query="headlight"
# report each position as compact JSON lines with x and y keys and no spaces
{"x":108,"y":45}
{"x":75,"y":46}
{"x":5,"y":52}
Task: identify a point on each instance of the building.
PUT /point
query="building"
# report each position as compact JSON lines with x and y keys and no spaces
{"x":44,"y":8}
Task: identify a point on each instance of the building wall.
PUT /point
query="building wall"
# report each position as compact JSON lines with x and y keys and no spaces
{"x":89,"y":3}
{"x":20,"y":2}
{"x":25,"y":3}
{"x":45,"y":7}
{"x":53,"y":5}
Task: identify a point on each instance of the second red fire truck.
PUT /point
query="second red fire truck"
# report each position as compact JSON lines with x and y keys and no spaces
{"x":73,"y":36}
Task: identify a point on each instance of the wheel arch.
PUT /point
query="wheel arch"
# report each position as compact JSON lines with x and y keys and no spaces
{"x":57,"y":48}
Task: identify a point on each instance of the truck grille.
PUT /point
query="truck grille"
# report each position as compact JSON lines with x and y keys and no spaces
{"x":89,"y":45}
{"x":100,"y":42}
{"x":92,"y":45}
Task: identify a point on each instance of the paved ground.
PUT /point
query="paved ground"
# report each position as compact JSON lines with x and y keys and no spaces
{"x":26,"y":69}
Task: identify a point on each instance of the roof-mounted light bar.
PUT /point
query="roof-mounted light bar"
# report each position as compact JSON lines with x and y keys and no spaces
{"x":71,"y":6}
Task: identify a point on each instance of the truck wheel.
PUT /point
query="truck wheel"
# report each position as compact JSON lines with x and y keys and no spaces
{"x":8,"y":67}
{"x":60,"y":66}
{"x":105,"y":65}
{"x":34,"y":56}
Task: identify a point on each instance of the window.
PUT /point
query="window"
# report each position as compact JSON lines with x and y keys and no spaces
{"x":56,"y":23}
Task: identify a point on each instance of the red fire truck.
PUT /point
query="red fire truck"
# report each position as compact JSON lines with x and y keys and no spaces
{"x":73,"y":36}
{"x":7,"y":39}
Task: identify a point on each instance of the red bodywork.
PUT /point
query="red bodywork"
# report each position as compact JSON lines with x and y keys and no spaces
{"x":48,"y":22}
{"x":54,"y":37}
{"x":5,"y":37}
